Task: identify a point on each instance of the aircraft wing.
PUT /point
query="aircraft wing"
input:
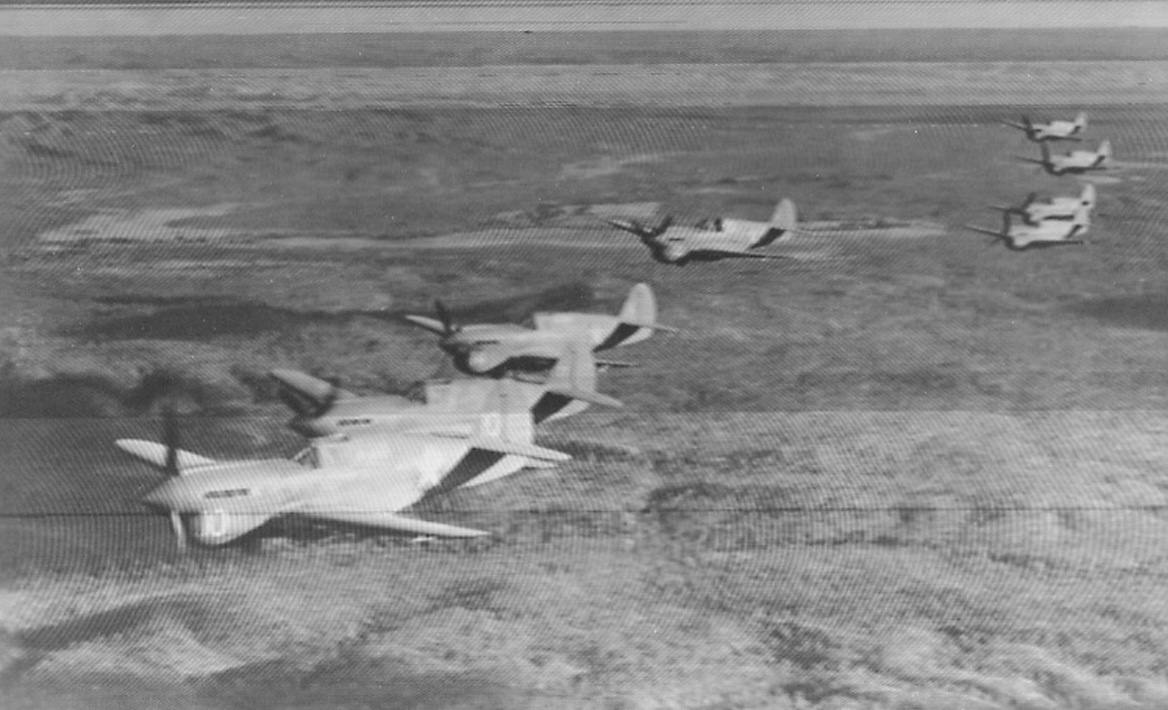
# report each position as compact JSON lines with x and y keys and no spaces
{"x":750,"y":255}
{"x":403,"y":523}
{"x":154,"y":454}
{"x":515,"y":448}
{"x":591,"y":397}
{"x":434,"y":326}
{"x":983,"y":230}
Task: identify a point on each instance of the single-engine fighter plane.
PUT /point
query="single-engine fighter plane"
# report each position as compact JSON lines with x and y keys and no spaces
{"x":1053,"y":131}
{"x":713,"y":239}
{"x":1064,"y":207}
{"x":1050,"y":233}
{"x":1075,"y":162}
{"x":362,"y":480}
{"x":323,"y":409}
{"x":491,"y":348}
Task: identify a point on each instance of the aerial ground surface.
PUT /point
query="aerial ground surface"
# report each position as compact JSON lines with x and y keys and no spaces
{"x":909,"y":470}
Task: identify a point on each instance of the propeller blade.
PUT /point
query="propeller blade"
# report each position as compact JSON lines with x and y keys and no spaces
{"x":180,"y":533}
{"x":329,"y":400}
{"x":445,"y":318}
{"x":660,"y":228}
{"x":171,"y":440}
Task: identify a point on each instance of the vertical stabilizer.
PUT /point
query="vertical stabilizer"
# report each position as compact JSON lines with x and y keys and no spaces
{"x":784,"y":217}
{"x":1104,"y":150}
{"x":1081,"y":121}
{"x":1087,"y":197}
{"x":640,"y":306}
{"x":506,"y":413}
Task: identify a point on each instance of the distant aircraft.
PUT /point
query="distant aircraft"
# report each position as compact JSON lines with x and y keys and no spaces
{"x":712,"y":240}
{"x":490,"y":348}
{"x":323,"y":409}
{"x":360,"y":480}
{"x":1053,"y":131}
{"x":1074,"y":162}
{"x":1050,"y":233}
{"x":1059,"y":208}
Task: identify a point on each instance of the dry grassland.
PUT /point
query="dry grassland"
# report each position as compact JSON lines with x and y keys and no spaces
{"x":908,"y":471}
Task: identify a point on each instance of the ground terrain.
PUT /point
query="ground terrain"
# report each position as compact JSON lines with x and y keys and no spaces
{"x":909,"y":470}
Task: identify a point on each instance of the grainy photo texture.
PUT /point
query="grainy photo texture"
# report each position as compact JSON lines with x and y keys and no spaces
{"x":584,"y":355}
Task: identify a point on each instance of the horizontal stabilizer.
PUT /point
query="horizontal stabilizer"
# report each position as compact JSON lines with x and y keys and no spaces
{"x":651,"y":326}
{"x":516,"y":448}
{"x":154,"y":454}
{"x":434,"y":326}
{"x":402,"y":523}
{"x":592,"y":397}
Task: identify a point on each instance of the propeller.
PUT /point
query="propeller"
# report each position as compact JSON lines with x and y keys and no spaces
{"x":635,"y":227}
{"x":448,"y":325}
{"x":170,"y":437}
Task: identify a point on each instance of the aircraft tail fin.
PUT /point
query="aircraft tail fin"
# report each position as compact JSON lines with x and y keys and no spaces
{"x":1081,"y":121}
{"x":1087,"y":197}
{"x":1104,"y":150}
{"x":506,"y":413}
{"x":640,"y":306}
{"x":782,"y":223}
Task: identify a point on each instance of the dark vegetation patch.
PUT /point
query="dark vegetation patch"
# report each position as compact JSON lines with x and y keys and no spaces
{"x":86,"y":395}
{"x":1144,"y":311}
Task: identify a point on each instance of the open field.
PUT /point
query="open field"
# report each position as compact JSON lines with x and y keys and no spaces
{"x":909,"y":470}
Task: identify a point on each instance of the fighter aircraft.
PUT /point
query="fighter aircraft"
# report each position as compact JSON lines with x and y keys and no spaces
{"x":1050,"y":233}
{"x":491,"y":348}
{"x":323,"y":409}
{"x":1074,"y":162}
{"x":714,"y":239}
{"x":1053,"y":131}
{"x":361,"y":480}
{"x":1063,"y":207}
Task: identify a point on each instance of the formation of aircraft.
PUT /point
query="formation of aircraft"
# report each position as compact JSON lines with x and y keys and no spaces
{"x":368,"y":459}
{"x":1065,"y":207}
{"x":713,"y":239}
{"x":491,"y":348}
{"x":363,"y":479}
{"x":1053,"y":131}
{"x":1047,"y":233}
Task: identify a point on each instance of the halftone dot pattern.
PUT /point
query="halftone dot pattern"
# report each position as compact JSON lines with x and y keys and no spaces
{"x":906,"y":468}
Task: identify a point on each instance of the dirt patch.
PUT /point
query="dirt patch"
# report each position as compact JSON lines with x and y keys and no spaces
{"x":150,"y":225}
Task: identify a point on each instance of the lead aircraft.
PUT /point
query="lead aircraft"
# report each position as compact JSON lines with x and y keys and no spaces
{"x":364,"y":479}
